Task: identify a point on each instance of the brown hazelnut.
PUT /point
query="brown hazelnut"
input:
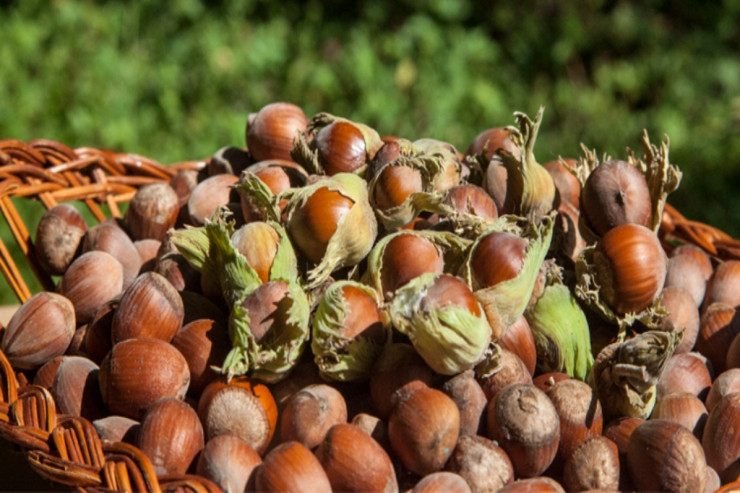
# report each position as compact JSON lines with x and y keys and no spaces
{"x":398,"y":365}
{"x":423,"y":428}
{"x":512,"y":371}
{"x":152,"y":211}
{"x":482,"y":464}
{"x":442,"y":481}
{"x":721,"y":438}
{"x":291,"y":467}
{"x":116,"y":428}
{"x":470,"y":399}
{"x":524,"y":421}
{"x":109,"y":237}
{"x":593,"y":465}
{"x":137,"y":372}
{"x":171,"y":435}
{"x":683,"y":408}
{"x":76,"y":390}
{"x":665,"y":456}
{"x":150,"y":307}
{"x":354,"y":461}
{"x":91,"y":281}
{"x":59,"y":238}
{"x":228,"y":461}
{"x":40,"y":330}
{"x":580,"y":414}
{"x":310,"y":413}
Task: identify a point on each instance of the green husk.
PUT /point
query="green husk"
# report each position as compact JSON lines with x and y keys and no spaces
{"x":560,"y":330}
{"x":337,"y":356}
{"x":305,"y":154}
{"x":276,"y":354}
{"x":449,"y":338}
{"x":625,"y":374}
{"x":356,"y":230}
{"x":530,"y":189}
{"x":431,"y":167}
{"x":505,"y":302}
{"x":259,"y":195}
{"x":453,"y":248}
{"x":209,"y":250}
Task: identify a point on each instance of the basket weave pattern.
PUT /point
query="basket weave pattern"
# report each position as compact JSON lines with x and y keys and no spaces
{"x":67,"y":449}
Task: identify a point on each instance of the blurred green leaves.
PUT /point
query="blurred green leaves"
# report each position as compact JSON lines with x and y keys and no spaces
{"x":176,"y":80}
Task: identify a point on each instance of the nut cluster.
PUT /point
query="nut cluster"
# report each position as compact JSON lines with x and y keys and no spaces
{"x":330,"y":309}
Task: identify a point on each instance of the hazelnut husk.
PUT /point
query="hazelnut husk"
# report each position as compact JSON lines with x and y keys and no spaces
{"x":171,"y":435}
{"x":354,"y":461}
{"x":40,"y":330}
{"x":524,"y":421}
{"x":423,"y":428}
{"x":59,"y":238}
{"x":310,"y":413}
{"x":665,"y":456}
{"x":291,"y":466}
{"x":137,"y":372}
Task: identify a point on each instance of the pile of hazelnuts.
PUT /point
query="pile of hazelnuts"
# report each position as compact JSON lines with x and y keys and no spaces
{"x":389,"y":361}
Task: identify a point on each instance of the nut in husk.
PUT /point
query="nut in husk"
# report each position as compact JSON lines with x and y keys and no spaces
{"x":349,"y":331}
{"x":444,"y":322}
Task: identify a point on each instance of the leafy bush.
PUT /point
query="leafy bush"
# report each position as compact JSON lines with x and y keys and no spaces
{"x":176,"y":80}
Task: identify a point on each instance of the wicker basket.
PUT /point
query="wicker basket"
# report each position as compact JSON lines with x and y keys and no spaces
{"x":66,"y":449}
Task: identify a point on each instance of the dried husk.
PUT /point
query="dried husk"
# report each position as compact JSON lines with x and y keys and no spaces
{"x":625,"y":374}
{"x":662,"y":178}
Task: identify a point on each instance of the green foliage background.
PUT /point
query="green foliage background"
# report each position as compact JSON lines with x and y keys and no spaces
{"x":176,"y":80}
